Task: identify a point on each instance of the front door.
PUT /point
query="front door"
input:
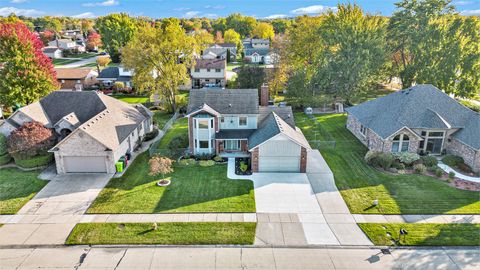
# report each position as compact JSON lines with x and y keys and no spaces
{"x":434,"y":145}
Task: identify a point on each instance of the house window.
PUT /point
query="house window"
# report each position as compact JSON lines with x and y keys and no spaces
{"x":400,"y":143}
{"x":242,"y":121}
{"x":208,"y":70}
{"x":363,"y":130}
{"x":197,"y":70}
{"x":217,"y":70}
{"x":232,"y":145}
{"x":203,"y":144}
{"x":222,"y":119}
{"x":202,"y":124}
{"x":211,"y":122}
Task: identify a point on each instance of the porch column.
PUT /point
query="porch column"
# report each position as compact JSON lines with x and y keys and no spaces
{"x":255,"y":160}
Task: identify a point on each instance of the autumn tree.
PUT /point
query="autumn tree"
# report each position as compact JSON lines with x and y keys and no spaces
{"x":243,"y":25}
{"x":161,"y":58}
{"x":116,"y":31}
{"x":29,"y":140}
{"x":218,"y":37}
{"x":160,"y":165}
{"x":230,"y":36}
{"x":94,"y":40}
{"x":249,"y":77}
{"x":263,"y":30}
{"x":102,"y":61}
{"x":27,"y":73}
{"x":203,"y":38}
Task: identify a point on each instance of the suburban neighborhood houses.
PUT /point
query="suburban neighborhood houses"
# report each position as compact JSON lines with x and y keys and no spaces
{"x":164,"y":135}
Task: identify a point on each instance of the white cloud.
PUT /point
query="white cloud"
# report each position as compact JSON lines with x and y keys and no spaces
{"x":210,"y":15}
{"x":85,"y":15}
{"x":461,"y":3}
{"x":181,"y":9}
{"x":18,"y":1}
{"x":316,"y":9}
{"x":107,"y":3}
{"x":471,"y":12}
{"x":5,"y":11}
{"x":191,"y":14}
{"x":214,"y":7}
{"x":276,"y":16}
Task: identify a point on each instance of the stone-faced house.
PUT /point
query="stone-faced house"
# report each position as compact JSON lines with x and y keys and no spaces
{"x":420,"y":119}
{"x":231,"y":123}
{"x":94,"y":130}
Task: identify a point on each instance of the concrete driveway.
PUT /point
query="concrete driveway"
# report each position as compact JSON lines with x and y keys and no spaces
{"x":302,"y":209}
{"x":50,"y":216}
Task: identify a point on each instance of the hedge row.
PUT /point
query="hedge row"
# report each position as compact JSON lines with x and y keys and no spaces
{"x":4,"y":159}
{"x":35,"y":161}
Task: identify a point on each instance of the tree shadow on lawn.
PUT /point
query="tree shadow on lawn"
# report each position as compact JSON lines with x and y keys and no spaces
{"x":361,"y":184}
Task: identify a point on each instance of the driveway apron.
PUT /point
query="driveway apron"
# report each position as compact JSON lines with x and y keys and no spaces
{"x":50,"y":216}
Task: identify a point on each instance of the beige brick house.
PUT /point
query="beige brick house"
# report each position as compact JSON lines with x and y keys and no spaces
{"x":420,"y":119}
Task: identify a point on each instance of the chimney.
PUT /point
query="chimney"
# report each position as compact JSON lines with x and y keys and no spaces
{"x":264,"y":95}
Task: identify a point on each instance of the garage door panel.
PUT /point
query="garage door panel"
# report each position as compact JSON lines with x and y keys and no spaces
{"x":84,"y":164}
{"x":280,"y":148}
{"x":279,"y":164}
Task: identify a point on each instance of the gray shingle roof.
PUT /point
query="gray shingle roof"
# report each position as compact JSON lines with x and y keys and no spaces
{"x":225,"y":101}
{"x":211,"y":63}
{"x":260,"y":51}
{"x":421,"y":106}
{"x":273,"y":125}
{"x":85,"y":105}
{"x":109,"y":73}
{"x":285,"y":113}
{"x":234,"y":134}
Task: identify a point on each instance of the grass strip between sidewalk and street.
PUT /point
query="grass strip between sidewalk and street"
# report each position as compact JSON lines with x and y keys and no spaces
{"x":419,"y":234}
{"x":171,"y":233}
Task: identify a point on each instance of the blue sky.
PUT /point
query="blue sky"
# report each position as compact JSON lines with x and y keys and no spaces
{"x":199,"y":8}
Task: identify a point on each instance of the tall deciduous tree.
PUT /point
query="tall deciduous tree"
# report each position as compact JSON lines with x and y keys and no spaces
{"x":161,"y":58}
{"x":94,"y":40}
{"x":203,"y":39}
{"x":431,"y":44}
{"x":116,"y":31}
{"x":241,"y":24}
{"x":26,"y":74}
{"x":263,"y":30}
{"x":230,"y":36}
{"x":355,"y":52}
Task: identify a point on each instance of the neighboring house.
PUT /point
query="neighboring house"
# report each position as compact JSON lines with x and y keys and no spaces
{"x":76,"y":78}
{"x":231,"y":123}
{"x":53,"y":52}
{"x":95,"y":130}
{"x":71,"y":33}
{"x":66,"y":44}
{"x":108,"y":76}
{"x":209,"y":72}
{"x":420,"y":119}
{"x":257,"y":51}
{"x":220,"y":51}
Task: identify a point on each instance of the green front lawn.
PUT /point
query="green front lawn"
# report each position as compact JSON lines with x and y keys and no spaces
{"x":61,"y":61}
{"x":360,"y":183}
{"x":174,"y":233}
{"x":160,"y":118}
{"x":179,"y":127}
{"x":193,"y":189}
{"x":132,"y":98}
{"x":419,"y":234}
{"x":82,"y":55}
{"x":17,"y":188}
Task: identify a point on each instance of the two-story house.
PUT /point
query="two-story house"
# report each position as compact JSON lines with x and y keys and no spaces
{"x":209,"y":73}
{"x":232,"y":123}
{"x":257,"y":51}
{"x":221,"y":51}
{"x":108,"y":76}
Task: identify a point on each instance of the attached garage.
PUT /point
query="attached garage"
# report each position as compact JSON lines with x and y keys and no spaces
{"x":279,"y":154}
{"x":84,"y":164}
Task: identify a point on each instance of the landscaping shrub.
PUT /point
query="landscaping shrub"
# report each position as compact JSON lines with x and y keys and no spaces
{"x":151,"y":135}
{"x":187,"y":162}
{"x":452,"y":160}
{"x":451,"y":175}
{"x":4,"y":159}
{"x":385,"y":160}
{"x":465,"y":168}
{"x":36,"y":161}
{"x":371,"y":158}
{"x":407,"y":158}
{"x":429,"y":161}
{"x":398,"y":165}
{"x":243,"y":166}
{"x":206,"y":163}
{"x":420,"y":168}
{"x":438,"y":172}
{"x":30,"y":140}
{"x":160,"y":165}
{"x":218,"y":159}
{"x":178,"y":142}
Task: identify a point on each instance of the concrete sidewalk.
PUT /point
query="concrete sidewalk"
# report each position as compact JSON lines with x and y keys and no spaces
{"x":83,"y":257}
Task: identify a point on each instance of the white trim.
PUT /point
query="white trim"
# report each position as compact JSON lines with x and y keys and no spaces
{"x":404,"y":127}
{"x":293,"y":140}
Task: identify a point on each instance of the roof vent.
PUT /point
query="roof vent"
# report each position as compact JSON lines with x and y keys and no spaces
{"x":230,"y":105}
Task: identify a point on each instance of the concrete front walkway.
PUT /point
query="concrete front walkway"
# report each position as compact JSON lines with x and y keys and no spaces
{"x":49,"y":217}
{"x":83,"y":257}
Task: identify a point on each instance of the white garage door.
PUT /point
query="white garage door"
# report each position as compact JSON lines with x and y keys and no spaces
{"x":84,"y":164}
{"x":279,"y":164}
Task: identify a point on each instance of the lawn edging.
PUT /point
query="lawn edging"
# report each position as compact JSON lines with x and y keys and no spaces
{"x":169,"y":233}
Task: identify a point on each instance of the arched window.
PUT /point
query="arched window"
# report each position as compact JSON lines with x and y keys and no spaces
{"x":400,"y":143}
